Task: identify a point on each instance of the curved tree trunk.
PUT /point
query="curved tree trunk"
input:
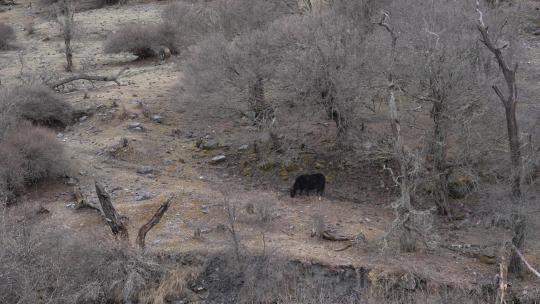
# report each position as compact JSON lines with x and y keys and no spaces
{"x":510,"y":104}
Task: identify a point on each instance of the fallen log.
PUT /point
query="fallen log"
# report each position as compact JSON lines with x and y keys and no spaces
{"x":141,"y":236}
{"x":113,"y":219}
{"x":66,"y":80}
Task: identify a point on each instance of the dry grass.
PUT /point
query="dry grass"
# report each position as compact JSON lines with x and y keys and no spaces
{"x":62,"y":266}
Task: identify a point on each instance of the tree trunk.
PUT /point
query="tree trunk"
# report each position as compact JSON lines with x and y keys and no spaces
{"x":515,"y":151}
{"x":141,"y":236}
{"x":112,"y":217}
{"x":407,"y":241}
{"x":439,"y":158}
{"x":518,"y":240}
{"x":510,"y":104}
{"x":257,"y":101}
{"x":68,"y":33}
{"x":328,"y":101}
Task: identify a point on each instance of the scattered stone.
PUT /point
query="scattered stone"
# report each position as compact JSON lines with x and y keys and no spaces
{"x":83,"y":173}
{"x":205,"y":209}
{"x":218,"y":159}
{"x":243,"y":148}
{"x":145,"y":170}
{"x":135,"y":126}
{"x":71,"y":182}
{"x":157,"y":119}
{"x":59,"y":135}
{"x":83,"y":118}
{"x":142,"y":196}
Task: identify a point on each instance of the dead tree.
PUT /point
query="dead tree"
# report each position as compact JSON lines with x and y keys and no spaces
{"x":440,"y":133}
{"x":141,"y":236}
{"x":510,"y":104}
{"x":403,"y":207}
{"x":113,"y":219}
{"x":65,"y":8}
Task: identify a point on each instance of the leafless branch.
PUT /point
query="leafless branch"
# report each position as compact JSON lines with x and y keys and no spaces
{"x":529,"y":266}
{"x":141,"y":236}
{"x":114,"y":78}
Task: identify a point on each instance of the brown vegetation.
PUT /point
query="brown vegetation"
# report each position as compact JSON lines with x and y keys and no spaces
{"x":36,"y":103}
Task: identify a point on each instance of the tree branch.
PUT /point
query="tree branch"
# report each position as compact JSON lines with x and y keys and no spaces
{"x":113,"y":219}
{"x":88,"y":77}
{"x":141,"y":236}
{"x":499,"y":93}
{"x":520,"y":255}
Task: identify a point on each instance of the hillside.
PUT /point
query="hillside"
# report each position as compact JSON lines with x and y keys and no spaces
{"x":142,"y":141}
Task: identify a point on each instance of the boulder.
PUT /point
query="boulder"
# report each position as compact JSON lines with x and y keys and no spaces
{"x":143,"y":196}
{"x":145,"y":170}
{"x":137,"y":126}
{"x":157,"y":119}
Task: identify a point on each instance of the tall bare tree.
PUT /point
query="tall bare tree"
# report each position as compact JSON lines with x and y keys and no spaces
{"x":403,"y":207}
{"x":510,"y":105}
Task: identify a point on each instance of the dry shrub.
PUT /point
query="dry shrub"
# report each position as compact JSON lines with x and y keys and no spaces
{"x":11,"y":175}
{"x":184,"y":24}
{"x":7,"y":36}
{"x":171,"y":286}
{"x":41,"y":153}
{"x":142,"y":40}
{"x":39,"y":262}
{"x":29,"y":155}
{"x":35,"y":103}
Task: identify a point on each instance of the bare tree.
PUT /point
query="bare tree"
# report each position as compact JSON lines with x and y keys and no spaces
{"x":510,"y":104}
{"x":64,"y":14}
{"x":403,"y":207}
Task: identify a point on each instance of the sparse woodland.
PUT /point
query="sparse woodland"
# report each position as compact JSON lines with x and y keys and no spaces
{"x":147,"y":150}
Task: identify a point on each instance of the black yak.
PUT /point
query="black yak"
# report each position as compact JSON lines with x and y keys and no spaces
{"x":307,"y":182}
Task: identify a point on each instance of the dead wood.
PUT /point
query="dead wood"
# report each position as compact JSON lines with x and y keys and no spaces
{"x":141,"y":236}
{"x":114,"y":78}
{"x":345,"y":247}
{"x":527,"y":264}
{"x":113,"y":219}
{"x":332,"y":236}
{"x":81,"y":203}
